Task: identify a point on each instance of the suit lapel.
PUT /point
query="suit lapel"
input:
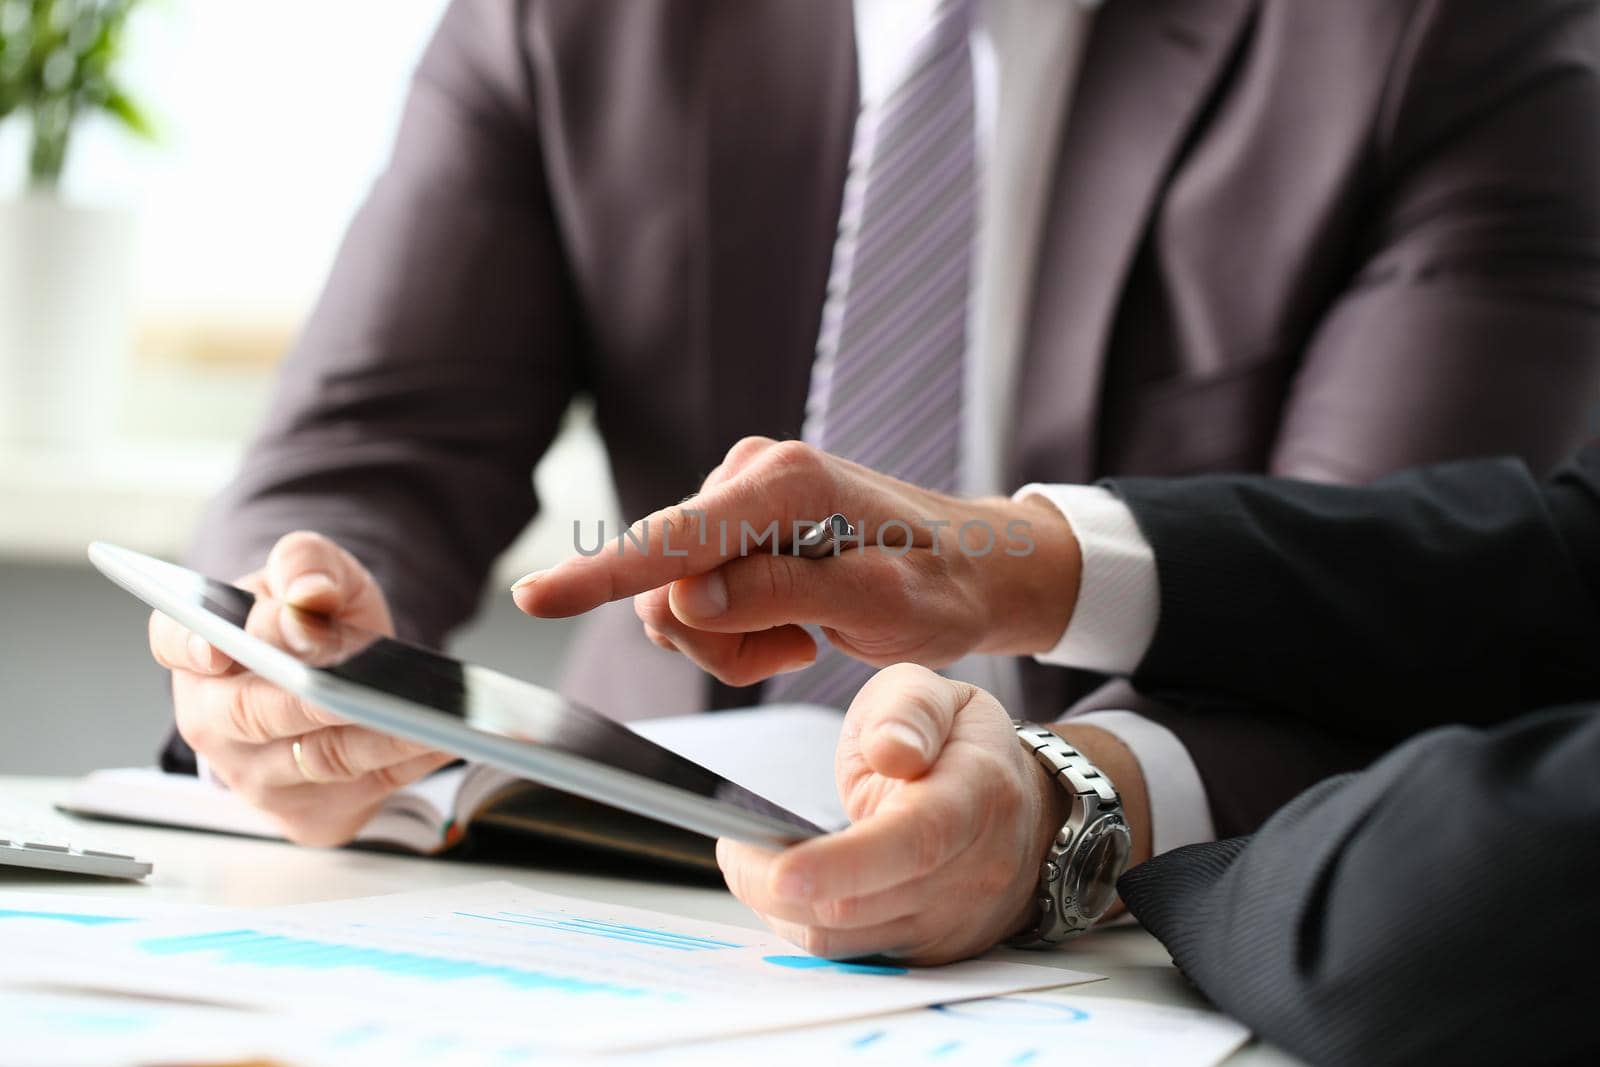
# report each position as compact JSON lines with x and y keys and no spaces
{"x":1148,"y":69}
{"x":779,"y":90}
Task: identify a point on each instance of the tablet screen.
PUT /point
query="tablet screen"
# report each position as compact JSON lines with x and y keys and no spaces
{"x":483,"y":700}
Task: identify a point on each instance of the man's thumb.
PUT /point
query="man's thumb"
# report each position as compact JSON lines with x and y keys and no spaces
{"x":309,"y":571}
{"x":903,"y":717}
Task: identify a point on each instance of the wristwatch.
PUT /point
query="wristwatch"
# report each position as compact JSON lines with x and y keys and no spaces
{"x":1078,"y":881}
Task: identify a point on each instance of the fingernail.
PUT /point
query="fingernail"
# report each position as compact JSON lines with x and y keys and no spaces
{"x":705,"y":597}
{"x":528,"y":579}
{"x":199,"y":653}
{"x":909,"y":736}
{"x":794,"y":885}
{"x":308,"y":587}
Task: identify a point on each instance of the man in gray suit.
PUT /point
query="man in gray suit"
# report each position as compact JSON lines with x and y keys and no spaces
{"x":1324,"y":240}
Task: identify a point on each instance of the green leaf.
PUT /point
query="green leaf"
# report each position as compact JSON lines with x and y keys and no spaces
{"x":121,"y":107}
{"x":59,"y":60}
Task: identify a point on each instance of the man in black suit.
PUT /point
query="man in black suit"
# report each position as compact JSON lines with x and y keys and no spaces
{"x":1439,"y":902}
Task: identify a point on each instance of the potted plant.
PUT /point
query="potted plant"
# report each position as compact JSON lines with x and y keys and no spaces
{"x":66,"y":269}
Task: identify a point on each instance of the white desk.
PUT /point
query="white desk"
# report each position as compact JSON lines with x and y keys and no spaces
{"x":212,"y":869}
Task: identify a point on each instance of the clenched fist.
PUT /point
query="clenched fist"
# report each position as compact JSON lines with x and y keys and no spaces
{"x":950,"y":820}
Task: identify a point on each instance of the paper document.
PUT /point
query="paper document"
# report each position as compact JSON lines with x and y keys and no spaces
{"x":571,"y":973}
{"x":74,"y":1030}
{"x":1039,"y":1029}
{"x":52,"y":1029}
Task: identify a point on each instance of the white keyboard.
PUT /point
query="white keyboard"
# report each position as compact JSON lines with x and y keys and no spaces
{"x":57,"y":848}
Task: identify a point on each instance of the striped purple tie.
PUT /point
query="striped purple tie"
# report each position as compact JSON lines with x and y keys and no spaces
{"x":887,"y":382}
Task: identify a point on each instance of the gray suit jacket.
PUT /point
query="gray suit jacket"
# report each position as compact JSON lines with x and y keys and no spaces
{"x":1319,"y":239}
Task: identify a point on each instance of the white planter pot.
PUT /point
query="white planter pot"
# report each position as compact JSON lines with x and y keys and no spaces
{"x":66,"y":306}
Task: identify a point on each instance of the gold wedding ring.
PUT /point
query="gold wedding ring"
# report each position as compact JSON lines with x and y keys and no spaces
{"x":300,"y":762}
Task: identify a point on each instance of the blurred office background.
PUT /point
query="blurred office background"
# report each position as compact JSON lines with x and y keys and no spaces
{"x":174,"y":274}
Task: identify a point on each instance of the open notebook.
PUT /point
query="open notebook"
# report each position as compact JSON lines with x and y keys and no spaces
{"x":783,"y":752}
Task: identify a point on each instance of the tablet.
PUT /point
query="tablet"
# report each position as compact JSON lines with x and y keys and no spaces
{"x":466,"y":710}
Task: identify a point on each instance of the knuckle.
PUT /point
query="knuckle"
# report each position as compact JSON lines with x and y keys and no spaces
{"x":653,"y":609}
{"x":745,"y":449}
{"x":660,"y":640}
{"x":715,"y":653}
{"x":792,"y":458}
{"x":328,"y":750}
{"x":676,"y":528}
{"x":388,"y":779}
{"x":243,"y":716}
{"x":901,"y":690}
{"x":840,"y":911}
{"x":777,"y":578}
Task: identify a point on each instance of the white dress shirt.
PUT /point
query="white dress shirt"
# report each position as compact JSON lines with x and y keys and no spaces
{"x":1026,"y":55}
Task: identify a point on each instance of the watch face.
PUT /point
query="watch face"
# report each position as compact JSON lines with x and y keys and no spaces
{"x":1105,"y":857}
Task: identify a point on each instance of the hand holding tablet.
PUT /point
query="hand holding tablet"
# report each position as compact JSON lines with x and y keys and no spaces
{"x":441,"y":705}
{"x":318,"y":777}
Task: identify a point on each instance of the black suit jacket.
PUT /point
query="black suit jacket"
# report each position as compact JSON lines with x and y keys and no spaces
{"x":1441,"y":903}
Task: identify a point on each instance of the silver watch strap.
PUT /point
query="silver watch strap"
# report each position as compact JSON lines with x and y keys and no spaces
{"x":1093,"y":797}
{"x":1070,"y":768}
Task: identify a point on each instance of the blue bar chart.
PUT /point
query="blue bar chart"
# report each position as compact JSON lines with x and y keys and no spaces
{"x":253,"y":948}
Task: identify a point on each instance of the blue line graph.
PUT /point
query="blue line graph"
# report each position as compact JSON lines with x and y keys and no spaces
{"x":63,"y":917}
{"x":252,"y":948}
{"x":637,"y":935}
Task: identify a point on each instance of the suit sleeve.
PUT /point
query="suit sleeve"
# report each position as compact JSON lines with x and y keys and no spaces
{"x":1471,"y":322}
{"x":1435,"y":908}
{"x":1460,"y":593}
{"x":437,"y":365}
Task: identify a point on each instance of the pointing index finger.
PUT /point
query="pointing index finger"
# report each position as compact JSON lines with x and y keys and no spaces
{"x":754,"y":512}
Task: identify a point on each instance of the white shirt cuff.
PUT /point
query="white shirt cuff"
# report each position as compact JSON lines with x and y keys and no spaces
{"x":1180,"y":812}
{"x":1119,"y":597}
